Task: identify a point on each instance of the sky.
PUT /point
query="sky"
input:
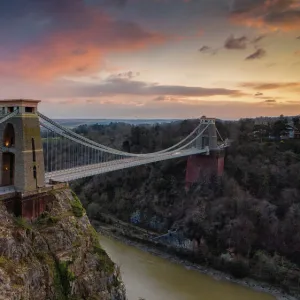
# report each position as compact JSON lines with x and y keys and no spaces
{"x":152,"y":58}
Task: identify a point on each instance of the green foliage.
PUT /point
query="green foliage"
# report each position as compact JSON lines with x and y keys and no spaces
{"x":105,"y":262}
{"x":7,"y":265}
{"x":22,"y":223}
{"x":53,"y":266}
{"x":237,"y":268}
{"x":53,"y":219}
{"x":59,"y":290}
{"x":66,"y":276}
{"x":77,"y":207}
{"x":274,"y":268}
{"x":3,"y":260}
{"x":62,"y":276}
{"x":93,"y":210}
{"x":46,"y":219}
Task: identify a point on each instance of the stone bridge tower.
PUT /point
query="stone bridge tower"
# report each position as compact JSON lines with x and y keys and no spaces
{"x":202,"y":167}
{"x":21,"y":150}
{"x":209,"y":136}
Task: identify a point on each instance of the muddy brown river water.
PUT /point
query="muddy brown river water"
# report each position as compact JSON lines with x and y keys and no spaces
{"x":150,"y":277}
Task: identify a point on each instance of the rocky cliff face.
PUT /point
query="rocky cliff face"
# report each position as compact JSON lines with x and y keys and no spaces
{"x":57,"y":257}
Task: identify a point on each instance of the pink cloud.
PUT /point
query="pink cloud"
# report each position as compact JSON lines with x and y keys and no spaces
{"x":170,"y":107}
{"x":80,"y":50}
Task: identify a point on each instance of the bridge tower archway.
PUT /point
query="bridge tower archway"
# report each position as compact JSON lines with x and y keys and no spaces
{"x":8,"y":169}
{"x":9,"y":136}
{"x":21,"y":151}
{"x":8,"y":157}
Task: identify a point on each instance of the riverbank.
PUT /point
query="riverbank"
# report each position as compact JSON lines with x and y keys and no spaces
{"x":137,"y":237}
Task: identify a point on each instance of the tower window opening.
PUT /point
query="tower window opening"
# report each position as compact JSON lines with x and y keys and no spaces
{"x":33,"y":150}
{"x":34,"y":172}
{"x":9,"y":136}
{"x":29,"y":109}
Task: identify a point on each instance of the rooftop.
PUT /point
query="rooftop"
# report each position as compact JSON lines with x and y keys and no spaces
{"x":19,"y":102}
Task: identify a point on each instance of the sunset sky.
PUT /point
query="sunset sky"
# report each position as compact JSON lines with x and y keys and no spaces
{"x":152,"y":58}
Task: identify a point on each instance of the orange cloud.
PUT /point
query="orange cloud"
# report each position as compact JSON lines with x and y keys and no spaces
{"x":81,"y":49}
{"x":271,"y":86}
{"x":271,"y":15}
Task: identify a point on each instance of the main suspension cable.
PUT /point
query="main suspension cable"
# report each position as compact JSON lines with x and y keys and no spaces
{"x":111,"y":150}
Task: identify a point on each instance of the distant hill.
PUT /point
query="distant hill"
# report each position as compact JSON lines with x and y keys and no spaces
{"x":71,"y":123}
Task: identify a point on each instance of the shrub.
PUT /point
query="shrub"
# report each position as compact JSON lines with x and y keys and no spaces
{"x":237,"y":268}
{"x":22,"y":223}
{"x":77,"y":207}
{"x":7,"y":265}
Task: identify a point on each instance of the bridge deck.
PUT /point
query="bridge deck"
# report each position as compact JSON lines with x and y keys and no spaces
{"x":100,"y":168}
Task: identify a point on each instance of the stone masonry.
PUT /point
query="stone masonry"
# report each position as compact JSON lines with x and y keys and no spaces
{"x":26,"y":134}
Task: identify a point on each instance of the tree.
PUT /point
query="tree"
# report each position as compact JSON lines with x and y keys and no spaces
{"x":296,"y":121}
{"x":278,"y":127}
{"x":93,"y":210}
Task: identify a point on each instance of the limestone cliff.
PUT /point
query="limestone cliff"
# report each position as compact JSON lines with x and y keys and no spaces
{"x":56,"y":257}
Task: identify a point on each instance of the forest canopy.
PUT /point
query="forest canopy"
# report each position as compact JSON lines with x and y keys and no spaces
{"x":253,"y":211}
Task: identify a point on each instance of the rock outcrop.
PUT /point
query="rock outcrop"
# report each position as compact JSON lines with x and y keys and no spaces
{"x":56,"y":257}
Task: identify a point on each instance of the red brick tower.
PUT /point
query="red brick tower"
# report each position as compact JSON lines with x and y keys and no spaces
{"x":203,"y":165}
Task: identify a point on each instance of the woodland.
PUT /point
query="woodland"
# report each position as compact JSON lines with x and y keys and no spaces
{"x":246,"y":223}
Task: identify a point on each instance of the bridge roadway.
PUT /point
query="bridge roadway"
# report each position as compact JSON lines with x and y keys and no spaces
{"x":100,"y":168}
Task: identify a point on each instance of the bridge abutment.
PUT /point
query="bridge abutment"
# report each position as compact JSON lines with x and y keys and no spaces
{"x":30,"y":205}
{"x":200,"y":167}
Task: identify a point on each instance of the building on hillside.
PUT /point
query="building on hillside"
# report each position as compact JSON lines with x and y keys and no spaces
{"x":297,"y":134}
{"x":291,"y":132}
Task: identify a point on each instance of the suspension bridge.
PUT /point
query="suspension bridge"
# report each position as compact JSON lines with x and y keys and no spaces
{"x":38,"y":154}
{"x":59,"y":154}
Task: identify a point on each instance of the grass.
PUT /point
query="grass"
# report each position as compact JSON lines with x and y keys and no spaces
{"x":61,"y":276}
{"x":3,"y":261}
{"x":22,"y":223}
{"x":77,"y":207}
{"x":105,"y":262}
{"x":7,"y":265}
{"x":66,"y":276}
{"x":46,"y":219}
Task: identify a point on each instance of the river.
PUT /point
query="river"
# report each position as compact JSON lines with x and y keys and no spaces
{"x":154,"y":278}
